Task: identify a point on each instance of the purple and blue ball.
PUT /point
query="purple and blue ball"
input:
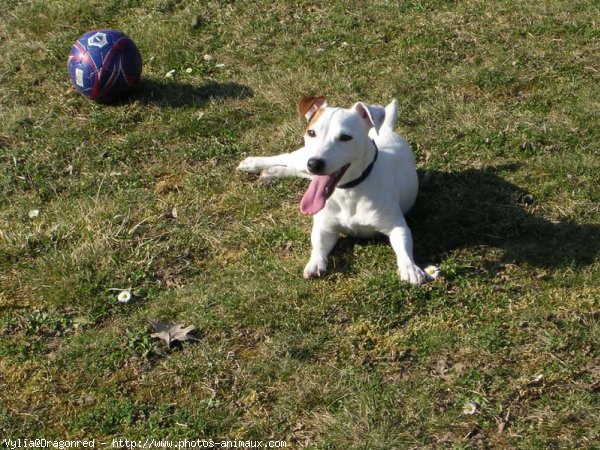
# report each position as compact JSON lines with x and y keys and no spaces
{"x":104,"y":65}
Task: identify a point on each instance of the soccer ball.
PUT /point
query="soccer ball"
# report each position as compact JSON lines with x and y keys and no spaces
{"x":104,"y":65}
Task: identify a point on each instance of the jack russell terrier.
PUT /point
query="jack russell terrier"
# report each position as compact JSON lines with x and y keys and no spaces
{"x":363,"y":175}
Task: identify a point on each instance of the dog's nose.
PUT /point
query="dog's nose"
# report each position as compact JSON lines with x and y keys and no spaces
{"x":316,"y":165}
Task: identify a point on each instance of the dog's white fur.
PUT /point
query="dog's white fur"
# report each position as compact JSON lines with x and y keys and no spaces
{"x":376,"y":205}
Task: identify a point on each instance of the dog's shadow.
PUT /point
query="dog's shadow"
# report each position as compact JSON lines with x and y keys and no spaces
{"x":179,"y":94}
{"x":475,"y":208}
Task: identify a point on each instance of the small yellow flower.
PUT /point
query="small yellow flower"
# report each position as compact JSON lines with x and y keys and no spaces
{"x":124,"y":296}
{"x":470,"y":408}
{"x":432,"y":272}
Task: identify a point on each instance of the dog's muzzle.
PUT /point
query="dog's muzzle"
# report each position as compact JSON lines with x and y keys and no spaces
{"x":316,"y":166}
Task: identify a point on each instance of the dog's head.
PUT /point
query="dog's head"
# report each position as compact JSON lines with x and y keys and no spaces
{"x":335,"y":138}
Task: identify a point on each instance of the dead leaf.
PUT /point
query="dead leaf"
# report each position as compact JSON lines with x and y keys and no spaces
{"x":459,"y":368}
{"x":441,"y":367}
{"x":172,"y":333}
{"x":166,"y":185}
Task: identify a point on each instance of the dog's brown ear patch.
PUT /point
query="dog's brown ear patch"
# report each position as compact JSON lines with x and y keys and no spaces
{"x":308,"y":106}
{"x":314,"y":118}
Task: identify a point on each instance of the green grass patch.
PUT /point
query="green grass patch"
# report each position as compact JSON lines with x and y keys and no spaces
{"x":499,"y":102}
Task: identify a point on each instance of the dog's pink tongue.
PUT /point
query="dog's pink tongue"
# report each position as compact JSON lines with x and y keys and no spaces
{"x":315,"y":196}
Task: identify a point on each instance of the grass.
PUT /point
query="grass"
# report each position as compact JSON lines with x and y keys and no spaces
{"x":499,"y":101}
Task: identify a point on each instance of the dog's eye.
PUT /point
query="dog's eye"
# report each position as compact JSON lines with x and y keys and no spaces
{"x":345,"y":138}
{"x":311,"y":133}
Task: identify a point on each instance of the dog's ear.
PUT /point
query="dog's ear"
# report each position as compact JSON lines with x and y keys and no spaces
{"x":374,"y":115}
{"x":308,"y":106}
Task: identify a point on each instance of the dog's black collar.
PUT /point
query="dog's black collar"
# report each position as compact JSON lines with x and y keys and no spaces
{"x":364,"y":175}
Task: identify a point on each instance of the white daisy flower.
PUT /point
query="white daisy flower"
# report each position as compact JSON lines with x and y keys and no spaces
{"x":124,"y":296}
{"x":470,"y":408}
{"x":188,"y":70}
{"x":432,"y":272}
{"x":170,"y":73}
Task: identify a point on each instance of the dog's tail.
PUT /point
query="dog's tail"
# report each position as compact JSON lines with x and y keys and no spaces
{"x":391,"y":115}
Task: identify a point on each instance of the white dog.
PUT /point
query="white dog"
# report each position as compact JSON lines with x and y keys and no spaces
{"x":363,"y":179}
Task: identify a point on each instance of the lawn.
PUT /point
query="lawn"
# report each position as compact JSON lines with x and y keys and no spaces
{"x":500,"y":102}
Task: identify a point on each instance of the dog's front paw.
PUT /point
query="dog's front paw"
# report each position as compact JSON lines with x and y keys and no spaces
{"x":251,"y":165}
{"x":315,"y":269}
{"x":411,"y":273}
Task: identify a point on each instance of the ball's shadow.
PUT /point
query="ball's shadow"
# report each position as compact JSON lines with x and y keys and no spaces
{"x":179,"y":94}
{"x":477,"y":208}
